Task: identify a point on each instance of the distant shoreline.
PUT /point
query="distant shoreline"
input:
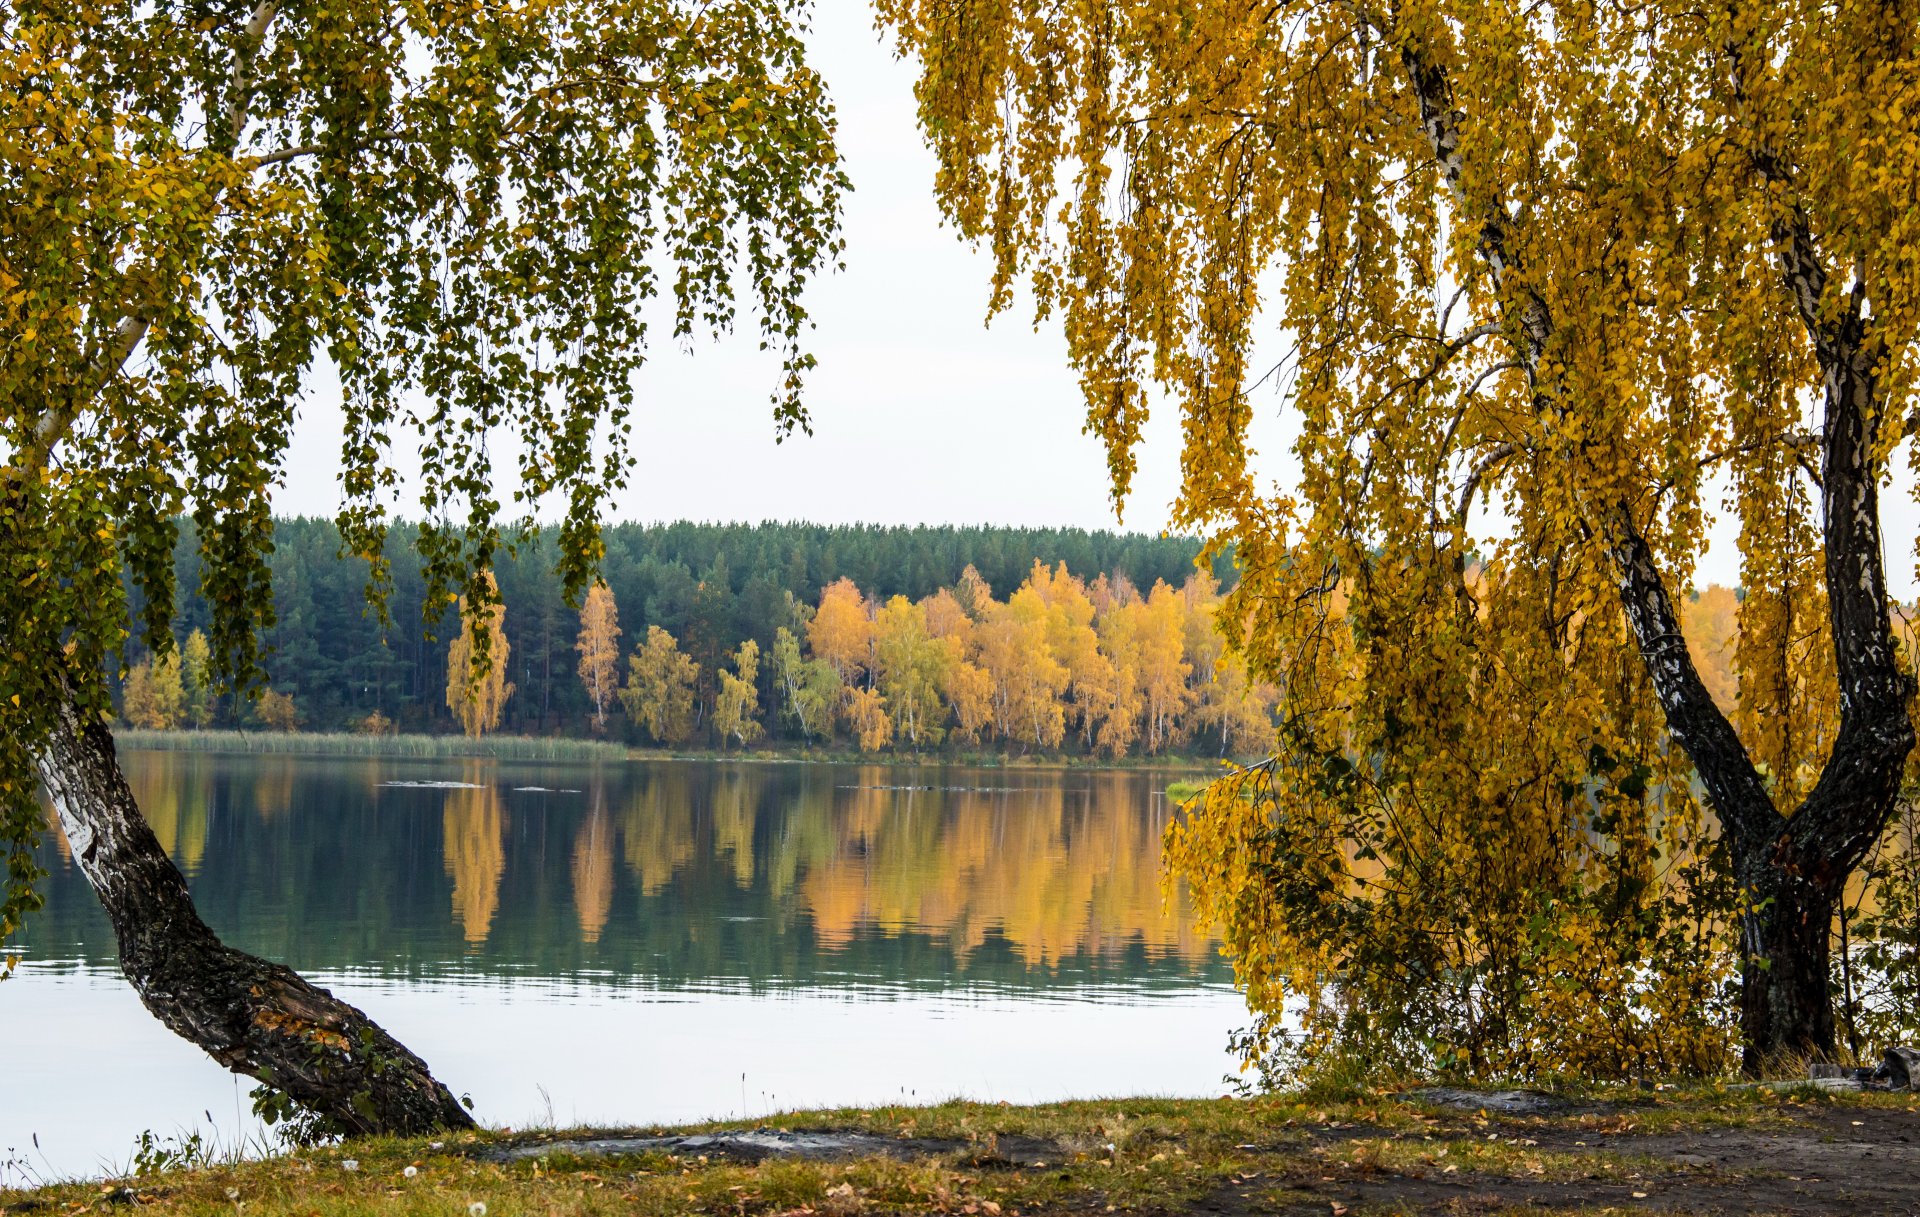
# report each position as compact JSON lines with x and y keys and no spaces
{"x":556,"y":749}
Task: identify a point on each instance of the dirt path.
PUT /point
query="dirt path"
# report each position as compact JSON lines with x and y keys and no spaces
{"x":1843,"y":1160}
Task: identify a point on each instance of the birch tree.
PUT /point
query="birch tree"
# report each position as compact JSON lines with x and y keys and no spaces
{"x":599,"y":647}
{"x":1571,"y":262}
{"x":465,"y":209}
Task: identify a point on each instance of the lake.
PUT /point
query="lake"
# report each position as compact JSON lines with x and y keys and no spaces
{"x":639,"y":943}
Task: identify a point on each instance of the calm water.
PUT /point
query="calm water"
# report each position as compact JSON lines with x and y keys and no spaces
{"x":640,"y":943}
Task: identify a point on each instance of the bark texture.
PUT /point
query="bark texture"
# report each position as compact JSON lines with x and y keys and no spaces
{"x":252,"y":1016}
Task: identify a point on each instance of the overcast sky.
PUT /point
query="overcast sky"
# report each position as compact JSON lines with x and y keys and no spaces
{"x":921,"y":413}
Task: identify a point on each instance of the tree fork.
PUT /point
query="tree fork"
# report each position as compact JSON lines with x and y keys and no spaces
{"x":252,"y":1016}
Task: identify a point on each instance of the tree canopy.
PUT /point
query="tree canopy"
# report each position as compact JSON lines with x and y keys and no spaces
{"x":468,"y":212}
{"x":1579,"y":265}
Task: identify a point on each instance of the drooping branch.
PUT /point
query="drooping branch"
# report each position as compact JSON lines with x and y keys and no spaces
{"x":1734,"y":785}
{"x":130,"y":331}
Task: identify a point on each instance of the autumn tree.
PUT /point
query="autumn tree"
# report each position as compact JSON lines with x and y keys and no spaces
{"x":912,"y":667}
{"x":140,"y":704}
{"x":841,"y":632}
{"x":965,"y":686}
{"x":659,"y":694}
{"x":865,"y":713}
{"x":196,"y":679}
{"x":809,"y":688}
{"x":599,"y":647}
{"x":1027,"y":679}
{"x":275,"y":711}
{"x":169,"y":690}
{"x":1572,"y":262}
{"x":736,"y":710}
{"x":1090,"y":689}
{"x":469,"y":212}
{"x":477,"y":684}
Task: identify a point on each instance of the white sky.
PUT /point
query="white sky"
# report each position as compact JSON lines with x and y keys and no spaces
{"x":921,"y":413}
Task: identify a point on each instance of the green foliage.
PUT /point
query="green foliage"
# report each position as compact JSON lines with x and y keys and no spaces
{"x":294,"y":1125}
{"x":182,"y":1152}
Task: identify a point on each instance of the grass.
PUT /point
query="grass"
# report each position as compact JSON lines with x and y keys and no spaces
{"x":981,"y":1160}
{"x":546,"y":748}
{"x":319,"y":743}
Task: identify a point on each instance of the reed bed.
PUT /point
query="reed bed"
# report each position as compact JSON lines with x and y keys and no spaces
{"x":341,"y":743}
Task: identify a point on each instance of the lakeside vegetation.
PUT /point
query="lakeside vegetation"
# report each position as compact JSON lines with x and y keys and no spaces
{"x":557,"y":748}
{"x":712,"y":586}
{"x":347,"y":743}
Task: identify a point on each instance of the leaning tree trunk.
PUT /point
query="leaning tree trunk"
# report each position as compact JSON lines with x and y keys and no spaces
{"x":252,"y":1016}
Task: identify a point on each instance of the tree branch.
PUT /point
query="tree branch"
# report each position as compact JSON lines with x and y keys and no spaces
{"x":1847,"y":808}
{"x":1734,"y":786}
{"x":55,"y":424}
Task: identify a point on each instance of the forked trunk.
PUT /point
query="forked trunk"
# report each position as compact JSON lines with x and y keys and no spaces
{"x":252,"y":1016}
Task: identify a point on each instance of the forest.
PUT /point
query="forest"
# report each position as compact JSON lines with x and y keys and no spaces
{"x":865,"y":636}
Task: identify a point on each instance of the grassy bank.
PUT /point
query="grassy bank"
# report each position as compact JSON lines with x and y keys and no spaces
{"x":1707,"y":1151}
{"x":549,"y":748}
{"x":321,"y":743}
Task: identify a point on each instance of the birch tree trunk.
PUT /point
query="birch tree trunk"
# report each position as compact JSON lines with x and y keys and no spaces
{"x":254,"y":1017}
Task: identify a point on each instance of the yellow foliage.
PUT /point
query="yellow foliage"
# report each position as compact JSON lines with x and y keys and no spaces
{"x":1543,"y":276}
{"x":599,"y":647}
{"x":477,"y":685}
{"x":659,"y":694}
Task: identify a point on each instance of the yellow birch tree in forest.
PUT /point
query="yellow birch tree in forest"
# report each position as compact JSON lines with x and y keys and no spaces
{"x":159,"y":697}
{"x":659,"y":694}
{"x":1027,"y":679}
{"x":477,"y":684}
{"x":964,"y":685}
{"x":841,"y":631}
{"x":1076,"y":647}
{"x":1119,"y":621}
{"x":1569,"y":264}
{"x":912,"y":668}
{"x":599,"y":647}
{"x":736,"y":709}
{"x":196,"y":679}
{"x":137,"y":703}
{"x":276,"y":711}
{"x":865,"y":712}
{"x":1161,"y":667}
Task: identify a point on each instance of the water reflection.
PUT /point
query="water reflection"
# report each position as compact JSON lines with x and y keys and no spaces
{"x":474,"y":832}
{"x":655,"y":941}
{"x":681,"y":873}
